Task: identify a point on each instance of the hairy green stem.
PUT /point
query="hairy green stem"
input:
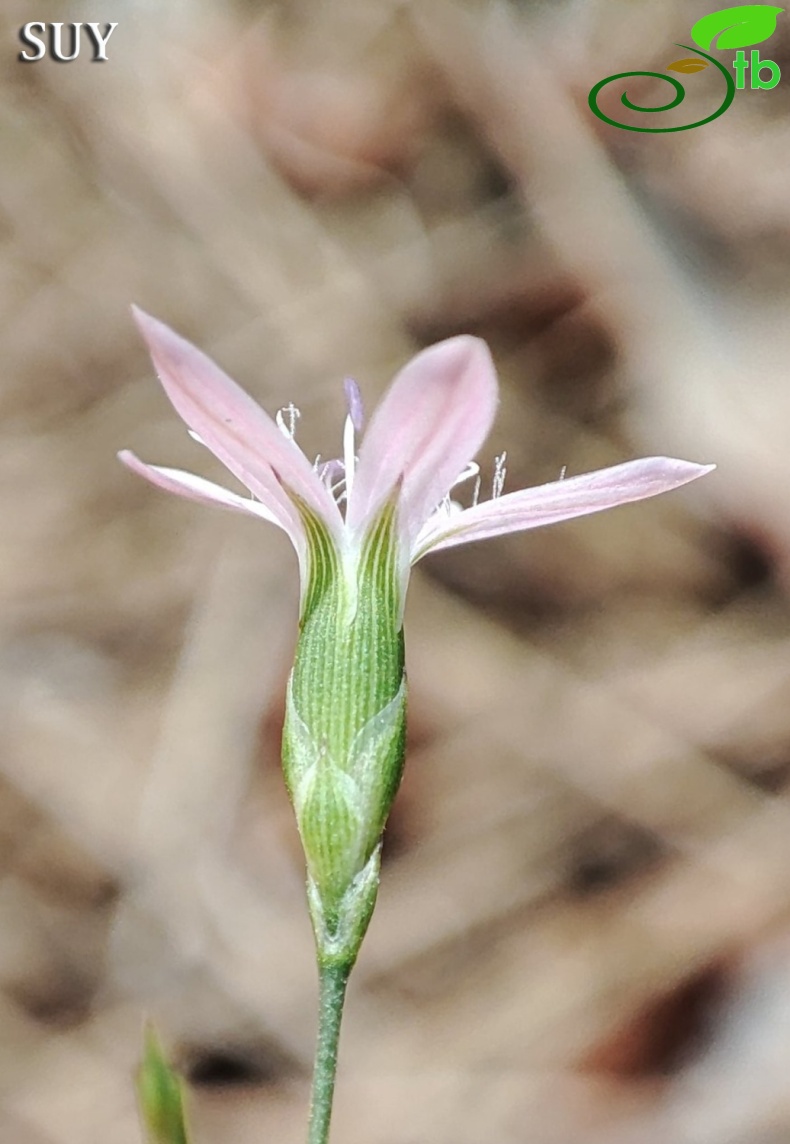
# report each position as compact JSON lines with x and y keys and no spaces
{"x":333,"y":979}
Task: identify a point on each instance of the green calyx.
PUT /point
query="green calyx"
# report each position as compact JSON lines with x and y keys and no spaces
{"x":344,"y":734}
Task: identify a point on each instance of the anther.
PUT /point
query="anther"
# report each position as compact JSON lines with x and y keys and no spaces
{"x":286,"y":419}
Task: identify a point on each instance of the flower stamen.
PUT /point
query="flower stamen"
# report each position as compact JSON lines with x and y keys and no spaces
{"x":286,"y":419}
{"x":500,"y":472}
{"x":466,"y":474}
{"x":450,"y":507}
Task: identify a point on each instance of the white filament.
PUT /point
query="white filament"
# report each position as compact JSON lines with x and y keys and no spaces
{"x":500,"y":472}
{"x":466,"y":474}
{"x":288,"y":427}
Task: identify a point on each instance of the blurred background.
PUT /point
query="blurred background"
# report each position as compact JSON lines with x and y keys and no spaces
{"x":584,"y":925}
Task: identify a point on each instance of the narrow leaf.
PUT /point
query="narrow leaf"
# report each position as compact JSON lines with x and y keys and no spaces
{"x":160,"y":1095}
{"x":688,"y":65}
{"x":737,"y":27}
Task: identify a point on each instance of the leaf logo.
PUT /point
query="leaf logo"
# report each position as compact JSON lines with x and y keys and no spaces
{"x":738,"y":27}
{"x":688,"y":65}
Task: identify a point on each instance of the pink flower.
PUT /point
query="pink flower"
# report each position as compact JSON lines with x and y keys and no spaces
{"x":421,"y":440}
{"x":358,"y":524}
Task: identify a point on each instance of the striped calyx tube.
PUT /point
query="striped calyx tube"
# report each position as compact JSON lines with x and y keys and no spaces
{"x":344,"y":734}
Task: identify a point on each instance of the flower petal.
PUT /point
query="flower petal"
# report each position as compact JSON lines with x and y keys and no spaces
{"x":431,"y":422}
{"x":559,"y":500}
{"x":195,"y":488}
{"x":235,"y":428}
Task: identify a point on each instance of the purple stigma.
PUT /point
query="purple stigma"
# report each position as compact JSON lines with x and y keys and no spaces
{"x":331,"y":471}
{"x":354,"y":403}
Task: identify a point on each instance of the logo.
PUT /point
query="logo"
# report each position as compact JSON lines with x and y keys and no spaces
{"x":740,"y":28}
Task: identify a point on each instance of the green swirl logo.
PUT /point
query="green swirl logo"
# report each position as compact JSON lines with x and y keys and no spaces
{"x":738,"y":27}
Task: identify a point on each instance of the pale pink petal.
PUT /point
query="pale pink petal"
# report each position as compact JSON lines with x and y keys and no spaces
{"x":235,"y":428}
{"x":197,"y":489}
{"x":431,"y":422}
{"x":560,"y":500}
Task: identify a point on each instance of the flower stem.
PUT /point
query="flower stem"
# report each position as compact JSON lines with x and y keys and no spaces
{"x":333,"y":979}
